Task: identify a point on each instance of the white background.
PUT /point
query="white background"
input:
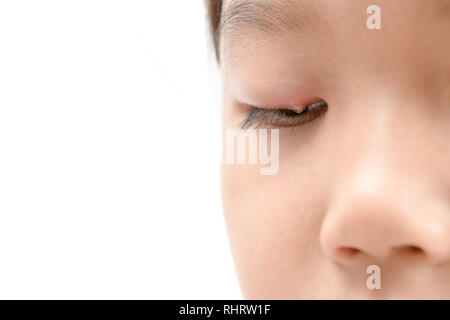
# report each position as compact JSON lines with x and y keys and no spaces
{"x":110,"y":152}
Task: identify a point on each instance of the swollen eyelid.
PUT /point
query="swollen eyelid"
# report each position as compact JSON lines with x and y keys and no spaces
{"x":291,"y":117}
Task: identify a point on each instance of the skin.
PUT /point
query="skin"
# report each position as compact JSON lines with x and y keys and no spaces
{"x":366,"y":184}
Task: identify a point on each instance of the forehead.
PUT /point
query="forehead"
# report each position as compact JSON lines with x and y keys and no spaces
{"x":247,"y":23}
{"x":270,"y":49}
{"x":266,"y":17}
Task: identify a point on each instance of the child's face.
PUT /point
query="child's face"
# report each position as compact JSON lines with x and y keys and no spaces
{"x":367,"y":182}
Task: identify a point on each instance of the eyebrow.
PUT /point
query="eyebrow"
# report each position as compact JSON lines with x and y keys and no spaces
{"x":247,"y":19}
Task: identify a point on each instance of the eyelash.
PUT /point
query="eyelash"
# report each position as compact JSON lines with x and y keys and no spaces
{"x":283,"y":117}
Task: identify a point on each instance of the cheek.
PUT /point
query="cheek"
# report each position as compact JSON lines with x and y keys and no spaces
{"x":274,"y":221}
{"x":273,"y":225}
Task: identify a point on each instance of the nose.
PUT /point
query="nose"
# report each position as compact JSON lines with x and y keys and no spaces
{"x":388,"y":197}
{"x":380,"y":219}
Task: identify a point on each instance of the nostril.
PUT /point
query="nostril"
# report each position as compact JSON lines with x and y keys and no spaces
{"x":410,"y":250}
{"x":347,"y":252}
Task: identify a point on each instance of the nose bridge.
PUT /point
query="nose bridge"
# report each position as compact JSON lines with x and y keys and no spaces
{"x":384,"y":197}
{"x":393,"y":133}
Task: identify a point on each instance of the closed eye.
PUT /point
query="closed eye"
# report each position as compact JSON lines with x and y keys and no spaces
{"x":283,"y":117}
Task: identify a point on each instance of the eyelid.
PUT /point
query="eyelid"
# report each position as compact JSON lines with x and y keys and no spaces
{"x":296,"y":109}
{"x":276,"y":116}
